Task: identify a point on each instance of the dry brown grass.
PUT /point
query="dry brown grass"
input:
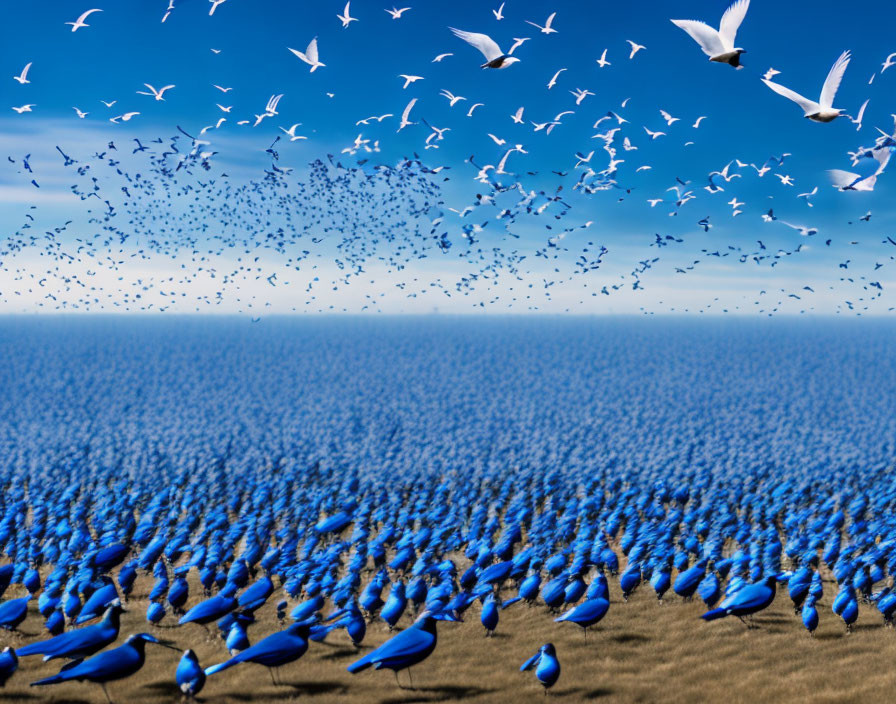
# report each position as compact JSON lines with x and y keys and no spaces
{"x":643,"y":651}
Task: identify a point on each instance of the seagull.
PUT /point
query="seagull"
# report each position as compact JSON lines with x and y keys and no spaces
{"x":517,"y":43}
{"x":823,"y":110}
{"x":494,"y":57}
{"x":156,"y":93}
{"x":517,"y":117}
{"x":668,"y":118}
{"x":808,"y":195}
{"x":602,"y":61}
{"x":78,"y":23}
{"x":635,"y":48}
{"x":22,"y":78}
{"x":310,"y":55}
{"x":654,"y":135}
{"x":580,"y":95}
{"x":770,"y":74}
{"x":889,"y":62}
{"x":224,"y":108}
{"x":496,"y":140}
{"x":439,"y":58}
{"x":499,"y":13}
{"x":223,"y":90}
{"x":452,"y":98}
{"x":553,"y":80}
{"x":25,"y":108}
{"x":124,"y":118}
{"x":345,"y":18}
{"x":168,"y":10}
{"x":109,"y":104}
{"x":547,"y":29}
{"x":292,"y":132}
{"x":858,"y":119}
{"x":719,"y":45}
{"x":473,"y":107}
{"x":81,"y":114}
{"x":215,"y":4}
{"x":699,"y":120}
{"x":409,"y":79}
{"x":396,"y":14}
{"x":404,"y":116}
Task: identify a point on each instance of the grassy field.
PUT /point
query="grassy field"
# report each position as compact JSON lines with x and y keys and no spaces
{"x":643,"y":651}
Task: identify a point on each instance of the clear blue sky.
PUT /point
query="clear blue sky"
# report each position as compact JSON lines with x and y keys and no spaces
{"x":127,"y":45}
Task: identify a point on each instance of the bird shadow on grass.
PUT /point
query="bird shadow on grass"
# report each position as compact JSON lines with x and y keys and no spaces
{"x":631,"y":638}
{"x":23,"y":696}
{"x":341,"y":653}
{"x":580,"y":693}
{"x":436,"y":694}
{"x":169,"y":688}
{"x":310,"y":689}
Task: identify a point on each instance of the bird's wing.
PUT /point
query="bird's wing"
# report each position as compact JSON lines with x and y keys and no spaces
{"x":806,"y":104}
{"x":311,"y":51}
{"x":488,"y":46}
{"x":731,"y":21}
{"x":842,"y":179}
{"x":531,"y":661}
{"x":300,"y":55}
{"x":408,"y":642}
{"x":832,"y":82}
{"x":707,"y":37}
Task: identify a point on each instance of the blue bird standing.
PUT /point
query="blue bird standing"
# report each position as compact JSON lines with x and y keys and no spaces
{"x":746,"y":601}
{"x":80,"y":643}
{"x":13,"y":612}
{"x":9,"y":663}
{"x":546,"y":664}
{"x":586,"y":614}
{"x":190,"y":676}
{"x":276,"y":650}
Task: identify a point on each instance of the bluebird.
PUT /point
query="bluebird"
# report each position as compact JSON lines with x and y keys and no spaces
{"x":586,"y":614}
{"x":746,"y":601}
{"x":276,"y":650}
{"x":190,"y":677}
{"x":13,"y":612}
{"x":810,"y":616}
{"x":80,"y":643}
{"x":9,"y":663}
{"x":547,"y":666}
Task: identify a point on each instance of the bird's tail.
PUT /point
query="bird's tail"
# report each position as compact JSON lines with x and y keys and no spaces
{"x":714,"y":614}
{"x":62,"y":676}
{"x":31,"y":649}
{"x":359,"y":665}
{"x":221,"y":666}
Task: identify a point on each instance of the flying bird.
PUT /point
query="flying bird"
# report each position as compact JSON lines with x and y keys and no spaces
{"x":547,"y":29}
{"x":78,"y":23}
{"x":345,"y":17}
{"x":309,"y":56}
{"x":823,"y":110}
{"x":635,"y":48}
{"x":22,"y":78}
{"x":215,"y":4}
{"x":602,"y":61}
{"x":396,"y":13}
{"x":718,"y":45}
{"x":499,"y":13}
{"x":494,"y":57}
{"x":157,"y":94}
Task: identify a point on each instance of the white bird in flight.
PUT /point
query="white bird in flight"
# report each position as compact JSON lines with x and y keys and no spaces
{"x":770,"y":74}
{"x":699,"y":120}
{"x":309,"y":56}
{"x":80,"y":113}
{"x":718,"y":45}
{"x":494,"y":57}
{"x":517,"y":117}
{"x":25,"y":108}
{"x":668,"y":118}
{"x":396,"y":13}
{"x":292,"y":132}
{"x":78,"y":23}
{"x":345,"y":17}
{"x":22,"y":78}
{"x":889,"y":62}
{"x":602,"y":61}
{"x":223,"y":90}
{"x":635,"y":48}
{"x":157,"y":94}
{"x":499,"y":13}
{"x":452,"y":98}
{"x":405,"y":122}
{"x":409,"y":79}
{"x":547,"y":29}
{"x":823,"y":110}
{"x":215,"y":4}
{"x":553,"y":80}
{"x":439,"y":58}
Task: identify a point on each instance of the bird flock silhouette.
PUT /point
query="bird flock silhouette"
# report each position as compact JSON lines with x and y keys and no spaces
{"x":487,"y":228}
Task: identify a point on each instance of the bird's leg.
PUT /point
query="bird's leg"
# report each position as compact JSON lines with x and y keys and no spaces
{"x":105,"y":691}
{"x":271,"y":671}
{"x":410,"y":679}
{"x":395,"y":672}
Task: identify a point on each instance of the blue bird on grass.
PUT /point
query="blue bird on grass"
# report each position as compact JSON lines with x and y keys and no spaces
{"x":13,"y":612}
{"x":586,"y":614}
{"x":82,"y":642}
{"x":9,"y":663}
{"x":115,"y":664}
{"x":810,"y":616}
{"x":211,"y":609}
{"x":278,"y":649}
{"x":190,"y":676}
{"x":745,"y":601}
{"x":410,"y":647}
{"x":546,"y":664}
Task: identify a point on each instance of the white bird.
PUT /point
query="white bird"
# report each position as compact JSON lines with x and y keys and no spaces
{"x":452,"y":98}
{"x":646,"y":167}
{"x":22,"y":78}
{"x":405,"y":122}
{"x":155,"y":93}
{"x":224,"y":108}
{"x":654,"y":202}
{"x":718,"y":45}
{"x":602,"y":61}
{"x":124,"y":118}
{"x":223,"y":90}
{"x":215,"y":4}
{"x":857,"y":120}
{"x":494,"y":57}
{"x":553,"y":80}
{"x":291,"y":132}
{"x":497,"y":140}
{"x":168,"y":10}
{"x":846,"y":181}
{"x":823,"y":110}
{"x":580,"y":95}
{"x":699,"y":120}
{"x":668,"y":118}
{"x":770,"y":74}
{"x":78,"y":23}
{"x":473,"y":107}
{"x":109,"y":104}
{"x":309,"y":56}
{"x":80,"y":113}
{"x":409,"y":79}
{"x":786,"y":179}
{"x":808,"y":195}
{"x":499,"y":13}
{"x":396,"y":14}
{"x":440,"y":57}
{"x":25,"y":108}
{"x":345,"y":17}
{"x":627,"y":145}
{"x":654,"y":135}
{"x":734,"y":203}
{"x":889,"y":62}
{"x":635,"y":48}
{"x":517,"y":43}
{"x":547,"y":29}
{"x":517,"y":117}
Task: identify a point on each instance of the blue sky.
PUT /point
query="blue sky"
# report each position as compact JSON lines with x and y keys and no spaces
{"x":127,"y":45}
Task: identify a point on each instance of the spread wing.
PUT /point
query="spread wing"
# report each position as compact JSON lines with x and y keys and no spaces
{"x":707,"y":37}
{"x":832,"y":82}
{"x":488,"y":46}
{"x":807,"y":105}
{"x":311,"y":51}
{"x":731,"y":21}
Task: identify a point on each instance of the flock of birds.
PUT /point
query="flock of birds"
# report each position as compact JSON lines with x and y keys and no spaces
{"x":301,"y":472}
{"x":352,"y":217}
